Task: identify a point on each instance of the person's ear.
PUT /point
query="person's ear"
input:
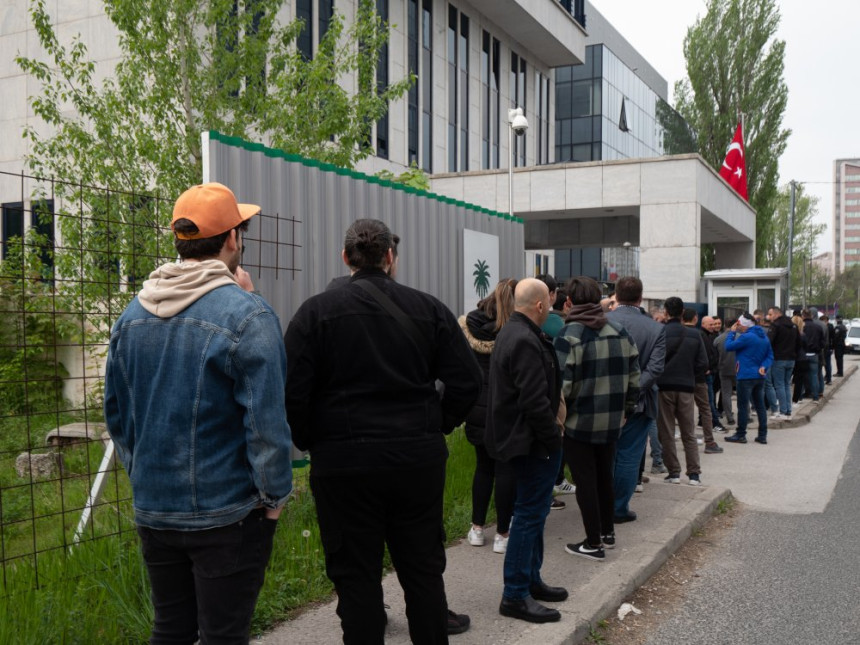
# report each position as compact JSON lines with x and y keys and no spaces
{"x":344,"y":257}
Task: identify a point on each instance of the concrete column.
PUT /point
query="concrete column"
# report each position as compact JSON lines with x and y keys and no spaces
{"x":669,"y":260}
{"x":735,"y":255}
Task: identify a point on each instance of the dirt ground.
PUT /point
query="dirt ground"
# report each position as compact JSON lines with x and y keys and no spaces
{"x":664,"y":592}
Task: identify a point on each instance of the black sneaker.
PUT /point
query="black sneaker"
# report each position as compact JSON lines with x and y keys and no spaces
{"x":608,"y":540}
{"x":761,"y":440}
{"x":457,"y":623}
{"x":736,"y":438}
{"x":557,"y":505}
{"x":582,"y":549}
{"x":672,"y":478}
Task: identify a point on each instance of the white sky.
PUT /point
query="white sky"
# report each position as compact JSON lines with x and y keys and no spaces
{"x":820,"y":69}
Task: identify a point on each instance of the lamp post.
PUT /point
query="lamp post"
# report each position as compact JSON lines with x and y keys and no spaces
{"x":517,"y":123}
{"x":627,"y":269}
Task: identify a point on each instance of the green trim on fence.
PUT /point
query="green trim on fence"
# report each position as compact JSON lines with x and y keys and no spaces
{"x":238,"y":142}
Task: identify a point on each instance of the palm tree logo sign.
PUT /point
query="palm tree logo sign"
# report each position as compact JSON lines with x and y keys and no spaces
{"x":482,"y":278}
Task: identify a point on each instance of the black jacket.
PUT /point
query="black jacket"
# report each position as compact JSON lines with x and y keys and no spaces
{"x":784,"y":338}
{"x":525,"y":389}
{"x":685,"y":358}
{"x":711,"y":352}
{"x":813,"y":337}
{"x":480,"y":332}
{"x":361,"y":393}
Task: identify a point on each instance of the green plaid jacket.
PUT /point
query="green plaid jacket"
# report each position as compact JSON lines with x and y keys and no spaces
{"x":600,"y":372}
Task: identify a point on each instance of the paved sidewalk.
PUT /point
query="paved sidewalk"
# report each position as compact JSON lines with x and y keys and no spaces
{"x":668,"y":514}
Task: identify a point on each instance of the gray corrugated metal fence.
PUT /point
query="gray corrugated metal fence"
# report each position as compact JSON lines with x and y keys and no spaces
{"x":307,"y":207}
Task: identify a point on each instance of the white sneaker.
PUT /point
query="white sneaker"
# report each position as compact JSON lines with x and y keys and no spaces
{"x":700,"y":441}
{"x":677,"y":434}
{"x":476,"y":536}
{"x":639,"y":488}
{"x":564,"y":488}
{"x":500,"y":544}
{"x":776,"y":416}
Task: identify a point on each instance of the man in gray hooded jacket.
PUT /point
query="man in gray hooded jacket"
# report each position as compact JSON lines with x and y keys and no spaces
{"x":194,"y":402}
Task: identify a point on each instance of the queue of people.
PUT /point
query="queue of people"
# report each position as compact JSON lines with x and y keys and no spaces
{"x":205,"y":398}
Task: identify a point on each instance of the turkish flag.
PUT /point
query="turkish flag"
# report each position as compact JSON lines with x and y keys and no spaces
{"x":734,"y":168}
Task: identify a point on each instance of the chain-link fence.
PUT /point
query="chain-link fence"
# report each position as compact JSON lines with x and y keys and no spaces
{"x":71,"y":258}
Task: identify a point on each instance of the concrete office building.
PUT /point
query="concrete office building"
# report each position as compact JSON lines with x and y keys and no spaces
{"x":474,"y":60}
{"x":846,"y":214}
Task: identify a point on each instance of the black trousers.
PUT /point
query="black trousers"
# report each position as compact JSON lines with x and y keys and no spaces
{"x":205,"y":583}
{"x":488,"y":472}
{"x":592,"y":466}
{"x":358,"y":515}
{"x":839,"y":354}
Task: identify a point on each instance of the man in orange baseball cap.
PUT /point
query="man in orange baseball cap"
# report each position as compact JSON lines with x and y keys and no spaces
{"x":194,"y":402}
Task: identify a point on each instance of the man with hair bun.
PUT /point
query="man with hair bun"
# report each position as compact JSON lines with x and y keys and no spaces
{"x":362,"y":399}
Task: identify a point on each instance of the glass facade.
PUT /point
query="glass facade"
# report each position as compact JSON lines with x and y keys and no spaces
{"x":588,"y":111}
{"x":604,"y":112}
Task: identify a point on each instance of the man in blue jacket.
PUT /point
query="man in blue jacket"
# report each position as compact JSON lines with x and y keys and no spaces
{"x":754,"y":355}
{"x":194,"y":402}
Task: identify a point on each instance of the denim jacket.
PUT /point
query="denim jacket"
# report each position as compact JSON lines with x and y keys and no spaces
{"x":195,"y":405}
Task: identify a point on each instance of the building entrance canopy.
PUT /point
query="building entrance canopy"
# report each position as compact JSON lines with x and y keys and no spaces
{"x":667,"y":206}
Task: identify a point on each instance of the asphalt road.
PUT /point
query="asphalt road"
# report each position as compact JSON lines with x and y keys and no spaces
{"x":787,"y":576}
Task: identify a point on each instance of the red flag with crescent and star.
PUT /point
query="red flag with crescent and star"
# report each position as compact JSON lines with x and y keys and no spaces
{"x":734,"y":169}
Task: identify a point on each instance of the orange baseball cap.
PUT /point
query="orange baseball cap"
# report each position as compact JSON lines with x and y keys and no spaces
{"x":213,"y":208}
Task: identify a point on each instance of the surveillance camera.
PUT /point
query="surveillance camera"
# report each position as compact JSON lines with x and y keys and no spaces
{"x":519,"y":124}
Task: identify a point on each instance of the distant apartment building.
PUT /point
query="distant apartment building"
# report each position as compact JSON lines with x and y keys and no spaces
{"x":846,"y":214}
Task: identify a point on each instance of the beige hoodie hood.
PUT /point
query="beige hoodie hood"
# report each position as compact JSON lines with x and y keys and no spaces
{"x":173,"y":287}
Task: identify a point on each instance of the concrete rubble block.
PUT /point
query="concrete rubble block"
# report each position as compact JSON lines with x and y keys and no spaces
{"x":30,"y":465}
{"x":73,"y":433}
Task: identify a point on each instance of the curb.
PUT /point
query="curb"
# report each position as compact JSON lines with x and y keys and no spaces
{"x":656,"y":549}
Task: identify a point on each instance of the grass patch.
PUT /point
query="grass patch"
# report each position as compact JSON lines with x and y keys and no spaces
{"x":98,"y":591}
{"x":724,"y":505}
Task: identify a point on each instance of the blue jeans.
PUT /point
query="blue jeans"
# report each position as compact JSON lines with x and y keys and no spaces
{"x":828,"y":366}
{"x":656,"y":447}
{"x":524,"y":556}
{"x":770,"y":393}
{"x":751,"y":389}
{"x":712,"y":399}
{"x":816,"y":383}
{"x":628,"y":455}
{"x":781,"y":374}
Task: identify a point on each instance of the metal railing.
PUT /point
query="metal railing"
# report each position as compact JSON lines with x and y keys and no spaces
{"x":71,"y":258}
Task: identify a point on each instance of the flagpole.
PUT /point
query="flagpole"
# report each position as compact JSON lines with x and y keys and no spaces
{"x":791,"y":236}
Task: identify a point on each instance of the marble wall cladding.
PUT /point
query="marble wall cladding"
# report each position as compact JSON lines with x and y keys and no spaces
{"x":670,"y":271}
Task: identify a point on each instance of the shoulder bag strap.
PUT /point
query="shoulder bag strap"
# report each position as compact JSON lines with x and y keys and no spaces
{"x":397,"y":313}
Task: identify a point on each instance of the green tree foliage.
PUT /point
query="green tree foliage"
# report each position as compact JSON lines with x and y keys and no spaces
{"x":31,"y":374}
{"x":806,"y":232}
{"x":735,"y":66}
{"x":414,"y":177}
{"x":188,"y":67}
{"x":123,"y":148}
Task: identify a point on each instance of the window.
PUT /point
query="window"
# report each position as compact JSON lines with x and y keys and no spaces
{"x":305,"y":40}
{"x":490,"y":105}
{"x":13,"y":224}
{"x":518,"y":98}
{"x":381,"y":85}
{"x":426,"y":80}
{"x":458,"y":90}
{"x":420,"y":97}
{"x":542,"y":86}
